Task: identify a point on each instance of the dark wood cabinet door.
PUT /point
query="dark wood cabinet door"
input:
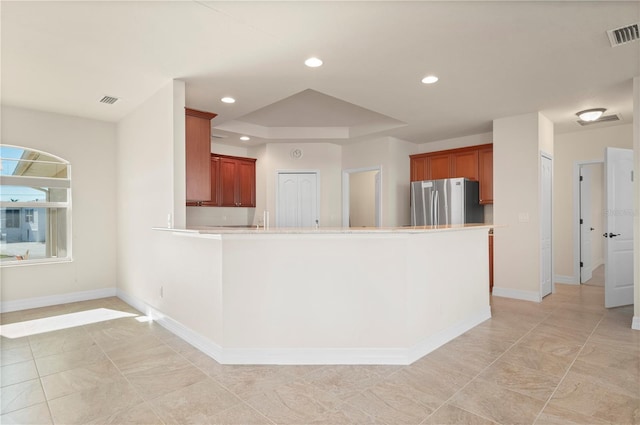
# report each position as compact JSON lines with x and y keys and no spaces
{"x":418,"y":167}
{"x":439,"y":166}
{"x":227,"y":193}
{"x":197,"y":148}
{"x":465,"y":164}
{"x":485,"y":175}
{"x":246,"y":183}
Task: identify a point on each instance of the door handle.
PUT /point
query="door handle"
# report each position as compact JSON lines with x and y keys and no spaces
{"x":592,"y":228}
{"x":611,"y":235}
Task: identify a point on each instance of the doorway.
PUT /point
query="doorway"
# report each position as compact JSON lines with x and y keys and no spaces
{"x":297,"y":199}
{"x":361,"y":197}
{"x":589,"y":218}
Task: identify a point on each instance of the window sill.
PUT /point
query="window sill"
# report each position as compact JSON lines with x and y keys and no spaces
{"x":24,"y":263}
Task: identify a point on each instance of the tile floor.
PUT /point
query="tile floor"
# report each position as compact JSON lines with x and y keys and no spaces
{"x":566,"y":360}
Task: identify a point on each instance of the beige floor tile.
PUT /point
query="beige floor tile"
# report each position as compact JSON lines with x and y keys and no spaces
{"x":466,"y":354}
{"x":199,"y":403}
{"x":553,"y":342}
{"x":37,"y":414}
{"x":250,"y":380}
{"x":521,"y":379}
{"x":610,"y":356}
{"x":344,"y":381}
{"x":60,"y":342}
{"x":301,"y":403}
{"x":615,"y":335}
{"x":15,"y":355}
{"x":161,"y":380}
{"x":19,"y":396}
{"x":579,"y":395}
{"x":127,"y":347}
{"x":85,"y":406}
{"x":12,"y":343}
{"x":240,"y":414}
{"x":141,"y":414}
{"x":547,"y":363}
{"x":552,"y":415}
{"x":390,"y":402}
{"x":139,"y":360}
{"x":80,"y":379}
{"x":452,"y":415}
{"x":431,"y":386}
{"x":18,"y":372}
{"x":500,"y":330}
{"x":11,"y":317}
{"x":69,"y":360}
{"x":624,"y":381}
{"x":497,"y":403}
{"x":42,"y":312}
{"x":180,"y":345}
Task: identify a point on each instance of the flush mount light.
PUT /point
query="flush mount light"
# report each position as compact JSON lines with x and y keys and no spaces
{"x":228,"y":100}
{"x":313,"y":62}
{"x":591,"y":114}
{"x":429,"y":79}
{"x":245,"y":138}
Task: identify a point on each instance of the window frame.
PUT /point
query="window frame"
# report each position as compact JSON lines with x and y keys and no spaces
{"x":48,"y":182}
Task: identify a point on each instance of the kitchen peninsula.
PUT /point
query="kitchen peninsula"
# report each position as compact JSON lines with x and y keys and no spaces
{"x":323,"y":296}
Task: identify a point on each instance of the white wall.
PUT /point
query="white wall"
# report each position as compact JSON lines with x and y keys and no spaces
{"x":362,"y":199}
{"x":457,"y":142}
{"x":517,"y":143}
{"x":322,"y":157}
{"x":570,"y":148}
{"x":90,"y":147}
{"x":392,"y":155}
{"x":636,"y":202}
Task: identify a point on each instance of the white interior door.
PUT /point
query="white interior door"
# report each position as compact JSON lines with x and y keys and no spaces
{"x":297,"y":200}
{"x":586,"y":225}
{"x":546,"y":259}
{"x":618,"y":279}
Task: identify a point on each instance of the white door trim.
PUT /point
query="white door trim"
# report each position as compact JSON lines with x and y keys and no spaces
{"x":575,"y":278}
{"x":277,"y":190}
{"x":345,"y":194}
{"x":550,"y":158}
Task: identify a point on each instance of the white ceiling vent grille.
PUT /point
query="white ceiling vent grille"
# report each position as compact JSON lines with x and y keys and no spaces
{"x":110,"y":100}
{"x":605,"y":118}
{"x":624,"y":35}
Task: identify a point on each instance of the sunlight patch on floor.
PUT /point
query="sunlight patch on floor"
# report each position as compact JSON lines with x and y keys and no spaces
{"x":64,"y":321}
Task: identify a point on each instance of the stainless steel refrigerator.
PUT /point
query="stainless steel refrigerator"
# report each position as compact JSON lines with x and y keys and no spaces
{"x":444,"y":202}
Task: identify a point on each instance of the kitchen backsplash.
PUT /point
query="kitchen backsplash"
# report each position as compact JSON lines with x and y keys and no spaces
{"x":219,"y":216}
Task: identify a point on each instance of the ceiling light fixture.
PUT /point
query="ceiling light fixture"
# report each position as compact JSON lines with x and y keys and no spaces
{"x":591,"y":114}
{"x":245,"y":138}
{"x":228,"y":99}
{"x":313,"y":62}
{"x":429,"y":79}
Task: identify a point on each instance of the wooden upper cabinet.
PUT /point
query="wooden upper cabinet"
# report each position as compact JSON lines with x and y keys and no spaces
{"x":246,"y":173}
{"x":237,"y":185}
{"x":439,"y":166}
{"x":465,"y":164}
{"x":419,"y":168}
{"x":473,"y":162}
{"x":198,"y":154}
{"x":485,"y":162}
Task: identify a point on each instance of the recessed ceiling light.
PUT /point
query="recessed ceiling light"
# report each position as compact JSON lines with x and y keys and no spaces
{"x":313,"y":62}
{"x":245,"y":138}
{"x":429,"y":79}
{"x":591,"y":114}
{"x":228,"y":100}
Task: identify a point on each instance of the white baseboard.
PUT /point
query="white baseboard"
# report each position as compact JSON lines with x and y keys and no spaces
{"x":567,"y":280}
{"x":306,"y":356}
{"x":516,"y":294}
{"x":636,"y":323}
{"x":37,"y":302}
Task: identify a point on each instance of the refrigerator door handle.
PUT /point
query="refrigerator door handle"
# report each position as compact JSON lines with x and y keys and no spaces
{"x":436,"y":207}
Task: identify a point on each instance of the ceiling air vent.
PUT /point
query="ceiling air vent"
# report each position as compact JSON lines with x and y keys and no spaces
{"x":624,"y":35}
{"x":219,"y":136}
{"x":110,"y":100}
{"x":605,"y":118}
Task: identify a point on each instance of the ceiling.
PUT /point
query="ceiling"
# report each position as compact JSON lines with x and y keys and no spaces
{"x":494,"y":59}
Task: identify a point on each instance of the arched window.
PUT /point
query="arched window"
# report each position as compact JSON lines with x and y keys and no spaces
{"x":35,"y":207}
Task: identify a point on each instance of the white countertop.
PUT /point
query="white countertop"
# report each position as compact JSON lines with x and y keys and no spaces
{"x":234,"y":230}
